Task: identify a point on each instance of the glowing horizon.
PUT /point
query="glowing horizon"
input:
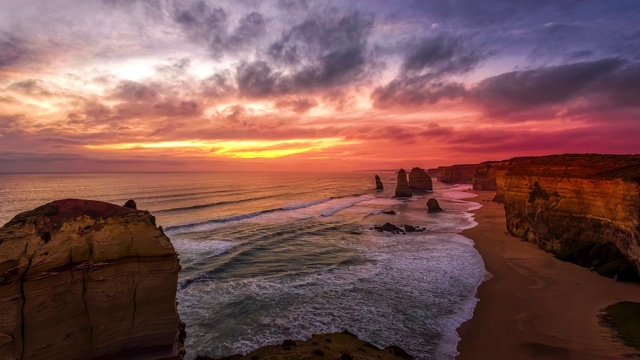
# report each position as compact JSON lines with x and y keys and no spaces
{"x":246,"y":149}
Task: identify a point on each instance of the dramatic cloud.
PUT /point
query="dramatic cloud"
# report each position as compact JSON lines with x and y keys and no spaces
{"x":521,"y":90}
{"x":421,"y":79}
{"x":316,"y":84}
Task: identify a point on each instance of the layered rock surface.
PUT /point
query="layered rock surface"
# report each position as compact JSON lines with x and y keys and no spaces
{"x":402,"y":187}
{"x":419,"y":180}
{"x":457,"y":174}
{"x":583,"y":208}
{"x":85,"y":279}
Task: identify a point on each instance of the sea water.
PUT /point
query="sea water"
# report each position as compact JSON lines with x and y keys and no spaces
{"x":273,"y":256}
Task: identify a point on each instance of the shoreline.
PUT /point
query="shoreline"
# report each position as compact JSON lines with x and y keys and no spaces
{"x":534,"y":305}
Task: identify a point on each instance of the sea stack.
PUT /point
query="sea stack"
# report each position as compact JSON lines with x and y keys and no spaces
{"x":131,"y":204}
{"x":402,"y":188}
{"x":419,"y":180}
{"x":433,"y":205}
{"x":87,"y":279}
{"x":379,"y":185}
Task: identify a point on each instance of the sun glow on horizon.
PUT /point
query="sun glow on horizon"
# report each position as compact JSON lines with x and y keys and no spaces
{"x":246,"y":149}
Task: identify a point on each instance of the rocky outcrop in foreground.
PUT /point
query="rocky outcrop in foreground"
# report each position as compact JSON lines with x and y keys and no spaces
{"x":379,"y":185}
{"x":583,"y":208}
{"x":419,"y":180}
{"x":342,"y":345}
{"x":402,"y":187}
{"x":86,"y":279}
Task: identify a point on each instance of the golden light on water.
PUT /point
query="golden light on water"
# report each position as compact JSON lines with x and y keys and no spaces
{"x":246,"y":149}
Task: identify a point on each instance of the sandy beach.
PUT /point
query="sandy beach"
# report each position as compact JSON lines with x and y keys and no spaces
{"x":535,"y":306}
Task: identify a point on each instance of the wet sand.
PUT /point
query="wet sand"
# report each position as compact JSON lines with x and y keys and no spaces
{"x":535,"y":306}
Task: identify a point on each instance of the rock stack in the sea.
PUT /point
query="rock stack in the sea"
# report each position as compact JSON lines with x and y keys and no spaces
{"x":379,"y":185}
{"x":419,"y":180}
{"x":584,"y":208}
{"x":131,"y":204}
{"x":402,"y":187}
{"x":85,"y":279}
{"x":389,"y":227}
{"x":433,"y":205}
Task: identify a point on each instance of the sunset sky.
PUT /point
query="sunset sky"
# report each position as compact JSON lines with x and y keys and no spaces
{"x":123,"y":85}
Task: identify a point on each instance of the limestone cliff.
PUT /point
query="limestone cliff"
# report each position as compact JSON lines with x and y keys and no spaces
{"x":402,"y":186}
{"x":583,"y":208}
{"x":419,"y":180}
{"x":85,"y":279}
{"x":458,"y":174}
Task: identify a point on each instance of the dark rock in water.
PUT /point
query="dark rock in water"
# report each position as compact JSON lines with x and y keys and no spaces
{"x":419,"y":180}
{"x":379,"y":185}
{"x":130,"y":204}
{"x":433,"y":205}
{"x":388,"y":227}
{"x":410,"y":228}
{"x":402,"y":188}
{"x":389,"y":212}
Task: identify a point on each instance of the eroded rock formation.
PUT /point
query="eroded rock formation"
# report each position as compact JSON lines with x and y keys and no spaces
{"x":85,"y":279}
{"x":458,"y":174}
{"x":131,"y":204}
{"x":583,"y":208}
{"x":402,"y":187}
{"x":379,"y":185}
{"x":344,"y":345}
{"x":419,"y":180}
{"x":433,"y":205}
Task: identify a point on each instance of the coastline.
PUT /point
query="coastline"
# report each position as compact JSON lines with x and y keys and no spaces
{"x":535,"y":306}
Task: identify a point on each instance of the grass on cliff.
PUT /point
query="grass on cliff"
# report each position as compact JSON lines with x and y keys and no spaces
{"x":624,"y":318}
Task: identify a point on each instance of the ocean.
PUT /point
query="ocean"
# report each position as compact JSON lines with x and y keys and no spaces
{"x":273,"y":256}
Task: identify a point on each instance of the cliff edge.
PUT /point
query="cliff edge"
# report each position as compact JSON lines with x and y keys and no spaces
{"x":584,"y":208}
{"x":88,"y":279}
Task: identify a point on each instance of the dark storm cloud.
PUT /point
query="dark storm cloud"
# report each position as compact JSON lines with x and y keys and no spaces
{"x":12,"y":50}
{"x":219,"y":85}
{"x":320,"y":35}
{"x":293,"y":4}
{"x":422,"y":76}
{"x":415,"y":92}
{"x":135,"y":91}
{"x":440,"y":56}
{"x":317,"y":54}
{"x":620,"y":88}
{"x":519,"y":91}
{"x":204,"y":22}
{"x":33,"y":87}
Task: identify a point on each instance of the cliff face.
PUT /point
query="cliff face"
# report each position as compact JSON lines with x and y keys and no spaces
{"x":87,"y":279}
{"x":486,"y":175}
{"x":583,"y":208}
{"x":419,"y":180}
{"x":458,"y":174}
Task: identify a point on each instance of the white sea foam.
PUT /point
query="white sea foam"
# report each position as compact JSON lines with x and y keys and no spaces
{"x":410,"y":290}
